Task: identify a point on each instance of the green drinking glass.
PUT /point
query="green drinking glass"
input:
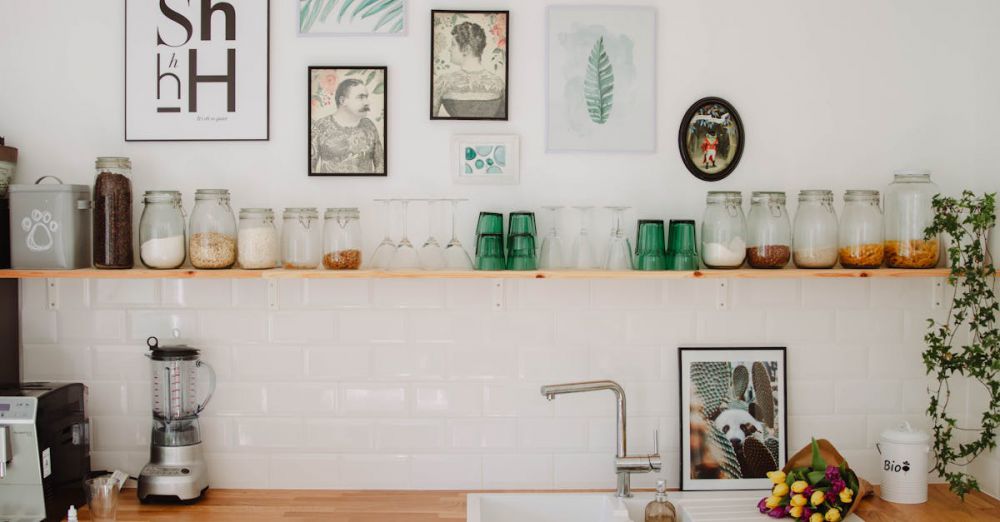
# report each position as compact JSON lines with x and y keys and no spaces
{"x":682,"y":250}
{"x":489,"y":223}
{"x":522,"y":253}
{"x":520,"y":223}
{"x":489,"y":252}
{"x":650,"y":251}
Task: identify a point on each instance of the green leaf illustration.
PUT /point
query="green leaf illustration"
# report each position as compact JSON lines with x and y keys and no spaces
{"x":312,"y":11}
{"x":599,"y":84}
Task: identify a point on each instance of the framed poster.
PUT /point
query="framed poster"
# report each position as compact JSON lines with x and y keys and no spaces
{"x":485,"y":159}
{"x":469,"y":65}
{"x":733,"y":417}
{"x":711,"y":139}
{"x":601,"y":92}
{"x":352,"y":17}
{"x":348,"y":108}
{"x":197,"y":71}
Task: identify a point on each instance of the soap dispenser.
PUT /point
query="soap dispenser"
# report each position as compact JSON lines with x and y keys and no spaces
{"x":660,"y":509}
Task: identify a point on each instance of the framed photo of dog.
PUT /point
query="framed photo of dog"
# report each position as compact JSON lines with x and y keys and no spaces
{"x":733,"y":417}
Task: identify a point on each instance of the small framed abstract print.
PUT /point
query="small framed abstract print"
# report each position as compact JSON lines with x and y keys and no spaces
{"x":485,"y":159}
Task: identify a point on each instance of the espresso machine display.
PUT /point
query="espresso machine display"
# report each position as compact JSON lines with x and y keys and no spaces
{"x":176,"y":469}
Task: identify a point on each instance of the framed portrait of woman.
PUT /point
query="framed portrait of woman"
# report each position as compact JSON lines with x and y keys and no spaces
{"x":347,"y":121}
{"x":469,"y":65}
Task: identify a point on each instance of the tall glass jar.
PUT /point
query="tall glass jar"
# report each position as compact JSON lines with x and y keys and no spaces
{"x":113,"y":213}
{"x":861,"y":230}
{"x":257,"y":239}
{"x":301,"y":239}
{"x":162,"y":237}
{"x":769,"y":231}
{"x":342,"y":239}
{"x":213,"y":230}
{"x":908,"y":212}
{"x":815,"y":238}
{"x":723,"y":230}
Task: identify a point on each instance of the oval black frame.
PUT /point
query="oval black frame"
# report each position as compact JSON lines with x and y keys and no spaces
{"x":682,"y":138}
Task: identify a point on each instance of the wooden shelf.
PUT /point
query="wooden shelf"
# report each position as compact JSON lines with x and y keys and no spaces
{"x":187,"y":273}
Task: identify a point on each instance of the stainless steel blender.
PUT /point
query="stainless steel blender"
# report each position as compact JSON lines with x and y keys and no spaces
{"x":176,"y":469}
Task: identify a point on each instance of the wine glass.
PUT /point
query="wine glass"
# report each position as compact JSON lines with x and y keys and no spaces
{"x":455,"y":256}
{"x":405,"y":257}
{"x":384,"y":251}
{"x":619,"y":255}
{"x":551,"y":257}
{"x":583,"y":256}
{"x":431,"y":254}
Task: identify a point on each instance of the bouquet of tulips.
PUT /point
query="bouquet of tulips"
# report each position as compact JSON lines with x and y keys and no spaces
{"x":819,"y":489}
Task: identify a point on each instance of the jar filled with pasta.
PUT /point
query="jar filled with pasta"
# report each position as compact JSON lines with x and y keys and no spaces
{"x":908,"y":212}
{"x":861,"y":242}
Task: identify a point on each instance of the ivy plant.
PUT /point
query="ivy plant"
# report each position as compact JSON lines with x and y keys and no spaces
{"x":966,"y":345}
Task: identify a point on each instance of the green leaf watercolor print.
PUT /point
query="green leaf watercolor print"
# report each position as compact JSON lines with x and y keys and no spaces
{"x":363,"y":16}
{"x":599,"y":84}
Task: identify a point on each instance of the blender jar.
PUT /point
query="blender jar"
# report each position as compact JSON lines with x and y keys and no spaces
{"x":175,"y":389}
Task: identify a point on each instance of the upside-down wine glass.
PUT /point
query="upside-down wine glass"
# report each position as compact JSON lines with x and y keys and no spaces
{"x":551,"y":257}
{"x":431,"y":254}
{"x":619,"y":255}
{"x":406,"y":256}
{"x":455,"y":256}
{"x":583,"y":256}
{"x":385,"y":250}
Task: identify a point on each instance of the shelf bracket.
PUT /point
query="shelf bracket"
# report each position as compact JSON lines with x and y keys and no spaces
{"x":498,"y":295}
{"x":722,"y":294}
{"x":272,"y":294}
{"x":52,"y":294}
{"x":937,"y":294}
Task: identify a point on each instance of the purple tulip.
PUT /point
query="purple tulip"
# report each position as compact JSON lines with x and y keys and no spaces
{"x":778,"y":512}
{"x":808,"y":492}
{"x":832,"y":473}
{"x":762,"y":505}
{"x":806,"y":513}
{"x":837,"y":485}
{"x":831,"y":497}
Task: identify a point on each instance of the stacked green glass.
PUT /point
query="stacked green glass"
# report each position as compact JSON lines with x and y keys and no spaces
{"x":521,"y":252}
{"x":682,"y":251}
{"x":489,"y":236}
{"x":651,"y":253}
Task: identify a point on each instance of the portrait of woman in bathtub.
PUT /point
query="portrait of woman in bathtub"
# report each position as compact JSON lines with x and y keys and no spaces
{"x":469,"y":65}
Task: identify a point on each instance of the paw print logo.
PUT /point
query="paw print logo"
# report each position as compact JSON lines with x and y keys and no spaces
{"x":40,"y":227}
{"x":906,"y":465}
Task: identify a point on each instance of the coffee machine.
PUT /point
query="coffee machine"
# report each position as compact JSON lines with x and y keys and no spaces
{"x":176,"y":471}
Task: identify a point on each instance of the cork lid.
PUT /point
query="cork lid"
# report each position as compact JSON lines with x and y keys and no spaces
{"x":8,"y":154}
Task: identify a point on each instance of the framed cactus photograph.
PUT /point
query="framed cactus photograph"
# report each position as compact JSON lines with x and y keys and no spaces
{"x":733,"y":417}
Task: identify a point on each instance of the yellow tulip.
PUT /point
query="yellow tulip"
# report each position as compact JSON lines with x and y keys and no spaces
{"x":799,"y":500}
{"x":772,"y":502}
{"x":780,"y":490}
{"x":778,"y":477}
{"x":846,"y":495}
{"x":799,"y":486}
{"x":817,"y":498}
{"x":832,"y":516}
{"x":796,"y":511}
{"x":816,"y":517}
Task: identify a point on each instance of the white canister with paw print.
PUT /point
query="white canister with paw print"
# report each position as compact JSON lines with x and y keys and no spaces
{"x":904,"y":463}
{"x":50,"y":225}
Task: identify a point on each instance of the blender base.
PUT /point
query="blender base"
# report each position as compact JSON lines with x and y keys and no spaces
{"x":174,"y":474}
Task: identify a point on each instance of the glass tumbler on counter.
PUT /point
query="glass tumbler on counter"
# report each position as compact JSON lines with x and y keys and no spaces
{"x":342,"y":239}
{"x":213,"y":230}
{"x":301,"y":239}
{"x":723,"y":230}
{"x":113,"y":213}
{"x":257,"y":239}
{"x":815,"y":238}
{"x":908,"y":212}
{"x":162,"y":241}
{"x":769,"y":231}
{"x":861,"y":230}
{"x":102,"y":498}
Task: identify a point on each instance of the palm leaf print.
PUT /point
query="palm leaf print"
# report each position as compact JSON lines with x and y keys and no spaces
{"x":390,"y":11}
{"x":599,"y":84}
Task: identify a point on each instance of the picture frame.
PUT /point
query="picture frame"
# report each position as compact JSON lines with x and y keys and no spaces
{"x":470,"y":65}
{"x":485,"y":159}
{"x":709,"y":128}
{"x":352,"y":18}
{"x":734,"y":416}
{"x":180,"y":86}
{"x":347,"y":120}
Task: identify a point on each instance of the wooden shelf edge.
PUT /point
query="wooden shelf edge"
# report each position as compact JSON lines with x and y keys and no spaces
{"x":742,"y":273}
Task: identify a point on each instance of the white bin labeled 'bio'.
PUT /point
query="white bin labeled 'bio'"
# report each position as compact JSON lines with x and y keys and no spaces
{"x":904,"y":461}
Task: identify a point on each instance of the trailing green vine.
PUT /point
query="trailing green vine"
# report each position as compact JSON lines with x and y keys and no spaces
{"x":967,"y":222}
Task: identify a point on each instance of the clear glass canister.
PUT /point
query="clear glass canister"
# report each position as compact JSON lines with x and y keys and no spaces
{"x":815,"y":231}
{"x":723,"y":230}
{"x":213,"y":230}
{"x":257,"y":240}
{"x":342,"y":239}
{"x":769,"y":231}
{"x":301,"y":239}
{"x":861,"y":230}
{"x":162,"y":237}
{"x":113,"y":213}
{"x":908,"y":212}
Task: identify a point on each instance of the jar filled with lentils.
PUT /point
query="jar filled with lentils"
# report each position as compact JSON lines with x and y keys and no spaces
{"x":113,"y":213}
{"x":212,"y":243}
{"x":769,"y":231}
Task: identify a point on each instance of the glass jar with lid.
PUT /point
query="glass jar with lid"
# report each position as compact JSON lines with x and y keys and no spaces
{"x":162,"y":235}
{"x":301,"y":239}
{"x":723,"y":230}
{"x":342,"y":239}
{"x":257,"y":239}
{"x":213,"y":230}
{"x":861,"y":230}
{"x":815,"y":231}
{"x":113,"y":213}
{"x":769,"y":231}
{"x":908,"y":212}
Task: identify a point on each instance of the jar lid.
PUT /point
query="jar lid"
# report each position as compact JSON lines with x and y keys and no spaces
{"x":342,"y":213}
{"x":905,"y":434}
{"x":256,"y":212}
{"x":851,"y":195}
{"x":724,"y":195}
{"x":113,"y":162}
{"x":170,"y":353}
{"x":8,"y":154}
{"x":211,"y":193}
{"x":912,"y":174}
{"x":812,"y":195}
{"x":763,"y":195}
{"x":299,"y":211}
{"x":151,"y":196}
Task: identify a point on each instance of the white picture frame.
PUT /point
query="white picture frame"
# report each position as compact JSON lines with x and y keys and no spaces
{"x":332,"y":18}
{"x":495,"y":169}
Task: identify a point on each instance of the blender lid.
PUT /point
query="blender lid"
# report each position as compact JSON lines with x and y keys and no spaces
{"x":164,"y":353}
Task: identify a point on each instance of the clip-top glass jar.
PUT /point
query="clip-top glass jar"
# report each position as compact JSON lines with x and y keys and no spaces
{"x":213,"y":230}
{"x":815,"y":239}
{"x":861,"y":230}
{"x":257,"y":240}
{"x":301,"y":239}
{"x":162,"y":241}
{"x":769,"y":231}
{"x":908,"y":212}
{"x":723,"y":230}
{"x":342,"y":239}
{"x":113,"y":213}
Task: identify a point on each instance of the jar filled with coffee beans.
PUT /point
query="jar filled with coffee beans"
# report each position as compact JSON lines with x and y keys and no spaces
{"x":769,"y":231}
{"x":113,"y":213}
{"x":342,"y":239}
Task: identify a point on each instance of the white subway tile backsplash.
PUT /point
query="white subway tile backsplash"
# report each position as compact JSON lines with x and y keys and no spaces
{"x":720,"y":326}
{"x":39,"y":327}
{"x":447,"y":400}
{"x":520,"y":326}
{"x":911,"y":293}
{"x":469,"y":294}
{"x":165,"y":325}
{"x":294,"y":398}
{"x":340,"y":435}
{"x":639,"y":437}
{"x":125,"y":292}
{"x":376,"y":471}
{"x":337,"y":293}
{"x":659,"y":327}
{"x":237,"y":399}
{"x":757,"y":293}
{"x":870,"y":326}
{"x":433,"y":326}
{"x":304,"y":326}
{"x":120,"y":363}
{"x":896,"y":360}
{"x":589,"y":327}
{"x":63,"y":362}
{"x":800,"y":325}
{"x":846,"y":432}
{"x":839,"y":293}
{"x":638,"y":363}
{"x":120,"y":433}
{"x":550,"y":294}
{"x":585,"y":470}
{"x":240,"y":471}
{"x":557,"y":434}
{"x":267,"y":363}
{"x":372,"y":326}
{"x":409,"y":435}
{"x":482,"y":433}
{"x":546,"y":363}
{"x":627,"y":294}
{"x":197,"y":293}
{"x":515,"y":400}
{"x":233,"y":325}
{"x":446,"y":472}
{"x":408,"y":293}
{"x":373,"y":400}
{"x":267,"y":433}
{"x":488,"y":362}
{"x":292,"y":294}
{"x":517,"y":471}
{"x":867,"y":396}
{"x":827,"y":361}
{"x":250,"y":294}
{"x":403,"y":361}
{"x":690,"y":294}
{"x":337,"y":363}
{"x":91,"y":325}
{"x":107,"y":398}
{"x":315,"y":471}
{"x":811,"y":397}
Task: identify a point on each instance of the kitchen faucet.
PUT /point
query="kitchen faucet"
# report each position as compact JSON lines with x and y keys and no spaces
{"x":624,"y":464}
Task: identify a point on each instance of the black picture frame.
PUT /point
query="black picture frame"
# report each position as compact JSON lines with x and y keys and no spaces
{"x":506,"y":94}
{"x":385,"y":122}
{"x":683,"y":133}
{"x":684,"y":413}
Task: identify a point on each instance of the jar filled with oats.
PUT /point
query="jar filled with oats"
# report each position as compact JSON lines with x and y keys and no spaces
{"x":861,"y":242}
{"x":342,"y":239}
{"x":908,"y":212}
{"x":212,"y":243}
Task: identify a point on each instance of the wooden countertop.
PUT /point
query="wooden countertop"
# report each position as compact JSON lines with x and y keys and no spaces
{"x":238,"y":505}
